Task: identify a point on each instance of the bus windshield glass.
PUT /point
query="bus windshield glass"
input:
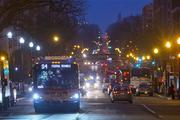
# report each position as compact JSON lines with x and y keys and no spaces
{"x":56,"y":76}
{"x":141,"y":72}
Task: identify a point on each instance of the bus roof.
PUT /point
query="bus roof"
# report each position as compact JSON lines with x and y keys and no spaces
{"x":56,"y":60}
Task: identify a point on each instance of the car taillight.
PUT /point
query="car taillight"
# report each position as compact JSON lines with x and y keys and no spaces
{"x":115,"y":92}
{"x":129,"y":92}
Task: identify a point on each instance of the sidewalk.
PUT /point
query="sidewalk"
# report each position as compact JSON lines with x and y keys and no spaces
{"x":162,"y":96}
{"x":165,"y":97}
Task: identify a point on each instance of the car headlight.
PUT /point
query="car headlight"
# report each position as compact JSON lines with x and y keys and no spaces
{"x":36,"y":96}
{"x":97,"y":77}
{"x":137,"y":90}
{"x":87,"y":85}
{"x":30,"y":89}
{"x":75,"y":96}
{"x":96,"y":85}
{"x":84,"y":87}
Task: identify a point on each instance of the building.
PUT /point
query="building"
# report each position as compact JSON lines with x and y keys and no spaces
{"x":162,"y":18}
{"x":147,"y":17}
{"x":166,"y":23}
{"x":175,"y":16}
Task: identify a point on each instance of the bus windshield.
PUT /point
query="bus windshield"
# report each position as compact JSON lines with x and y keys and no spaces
{"x":141,"y":72}
{"x":56,"y":76}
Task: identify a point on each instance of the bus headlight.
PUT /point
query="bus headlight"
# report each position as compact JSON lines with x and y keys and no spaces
{"x":75,"y":96}
{"x":36,"y":96}
{"x":30,"y":89}
{"x":97,"y":77}
{"x":87,"y":85}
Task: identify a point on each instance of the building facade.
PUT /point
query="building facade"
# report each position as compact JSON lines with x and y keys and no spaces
{"x":147,"y":17}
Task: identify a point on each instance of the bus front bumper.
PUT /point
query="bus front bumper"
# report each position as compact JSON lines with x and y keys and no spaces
{"x":61,"y":105}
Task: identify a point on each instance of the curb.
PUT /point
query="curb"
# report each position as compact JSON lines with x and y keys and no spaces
{"x":162,"y":97}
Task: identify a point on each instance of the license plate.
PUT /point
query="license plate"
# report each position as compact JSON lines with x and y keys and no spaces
{"x":121,"y":93}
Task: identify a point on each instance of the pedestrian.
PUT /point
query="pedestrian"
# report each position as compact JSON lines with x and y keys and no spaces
{"x":172,"y":91}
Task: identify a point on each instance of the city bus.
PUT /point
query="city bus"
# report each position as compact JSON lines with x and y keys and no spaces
{"x":56,"y":84}
{"x":140,"y":76}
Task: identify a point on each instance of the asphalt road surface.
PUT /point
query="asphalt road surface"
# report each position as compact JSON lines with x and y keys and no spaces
{"x":97,"y":106}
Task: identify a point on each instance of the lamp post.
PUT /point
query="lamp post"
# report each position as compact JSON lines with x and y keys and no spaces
{"x":168,"y":68}
{"x":31,"y":45}
{"x":22,"y":41}
{"x":179,"y":68}
{"x":155,"y":51}
{"x":38,"y":49}
{"x":10,"y":37}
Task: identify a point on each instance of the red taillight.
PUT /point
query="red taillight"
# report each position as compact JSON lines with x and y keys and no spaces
{"x":129,"y":92}
{"x":115,"y":92}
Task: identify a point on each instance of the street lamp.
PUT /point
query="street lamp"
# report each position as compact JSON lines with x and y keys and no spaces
{"x":38,"y":48}
{"x":21,"y":40}
{"x":9,"y":35}
{"x":78,"y":46}
{"x":56,"y":38}
{"x":148,"y":57}
{"x":143,"y":57}
{"x":156,"y":50}
{"x":31,"y":44}
{"x":178,"y":41}
{"x":168,"y":44}
{"x":3,"y":58}
{"x":178,"y":55}
{"x":84,"y":55}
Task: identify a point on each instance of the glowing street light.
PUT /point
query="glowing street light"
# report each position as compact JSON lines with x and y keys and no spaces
{"x":168,"y":44}
{"x":38,"y":48}
{"x":31,"y":44}
{"x":84,"y":55}
{"x":3,"y":58}
{"x":131,"y":54}
{"x":178,"y":41}
{"x":9,"y":35}
{"x":56,"y":39}
{"x":143,"y":57}
{"x":78,"y":46}
{"x":148,"y":57}
{"x":156,"y":50}
{"x":137,"y":58}
{"x":16,"y":68}
{"x":178,"y":55}
{"x":21,"y":40}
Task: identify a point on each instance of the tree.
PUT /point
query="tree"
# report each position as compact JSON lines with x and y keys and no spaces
{"x":129,"y":29}
{"x":42,"y":18}
{"x":87,"y":34}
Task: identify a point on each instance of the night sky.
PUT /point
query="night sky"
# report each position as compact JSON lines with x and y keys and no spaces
{"x":105,"y":12}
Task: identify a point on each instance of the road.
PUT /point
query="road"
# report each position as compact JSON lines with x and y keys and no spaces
{"x":97,"y":106}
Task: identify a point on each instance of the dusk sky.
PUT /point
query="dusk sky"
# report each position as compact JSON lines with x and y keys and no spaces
{"x":105,"y":12}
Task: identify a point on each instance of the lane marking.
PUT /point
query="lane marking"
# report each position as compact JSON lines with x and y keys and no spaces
{"x":152,"y":111}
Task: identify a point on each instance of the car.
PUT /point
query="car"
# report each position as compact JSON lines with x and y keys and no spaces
{"x":121,"y":93}
{"x":145,"y":89}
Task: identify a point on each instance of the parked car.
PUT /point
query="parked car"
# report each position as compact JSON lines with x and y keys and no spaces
{"x":145,"y":89}
{"x":121,"y":93}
